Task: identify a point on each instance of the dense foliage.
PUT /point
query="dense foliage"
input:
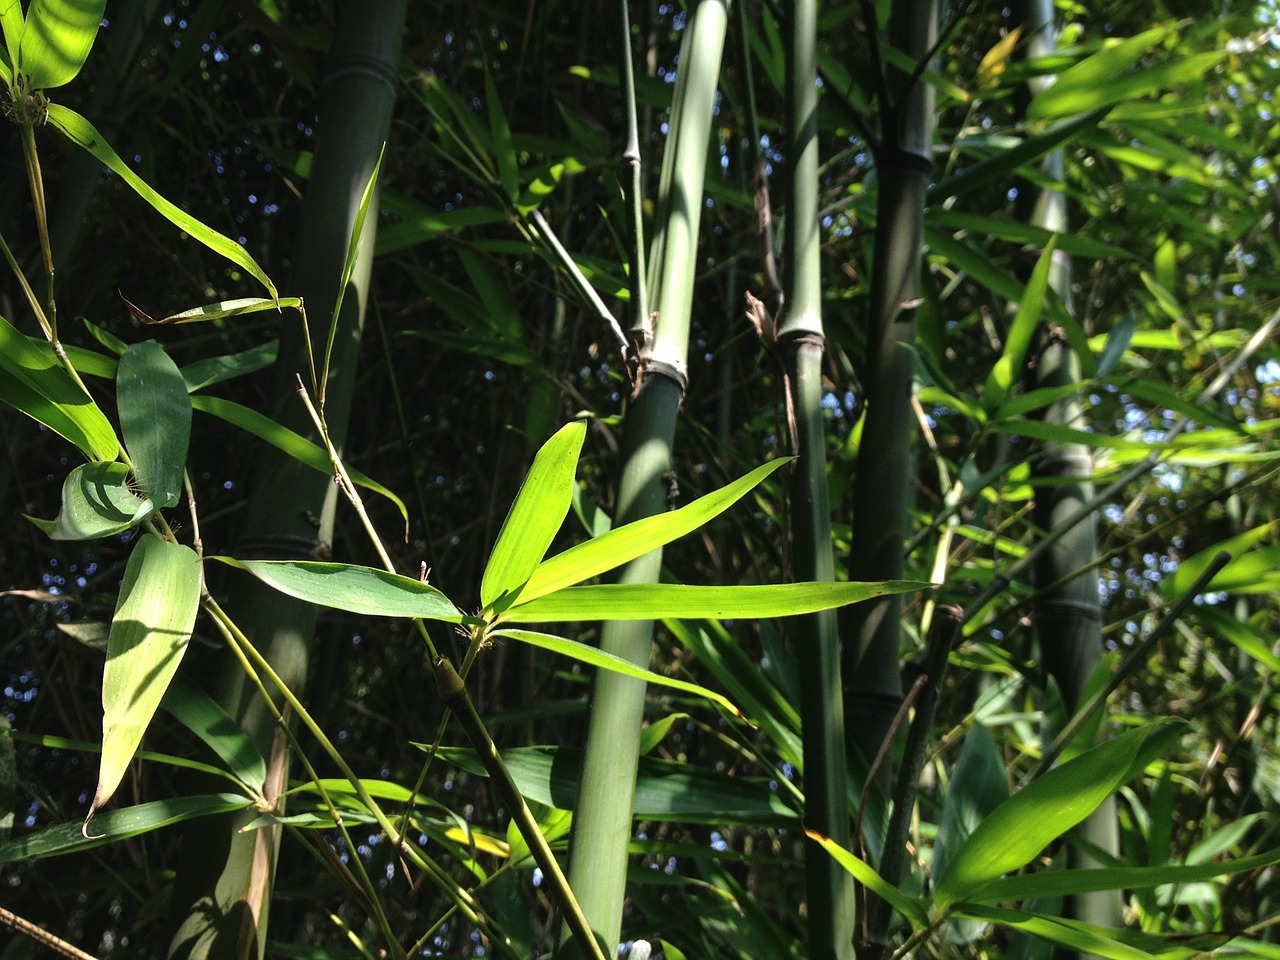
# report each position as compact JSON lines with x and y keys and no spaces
{"x":498,"y":205}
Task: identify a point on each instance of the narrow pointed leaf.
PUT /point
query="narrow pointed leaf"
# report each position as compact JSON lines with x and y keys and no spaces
{"x":916,"y":911}
{"x":211,"y":370}
{"x":349,"y":265}
{"x":596,"y":657}
{"x":34,"y":382}
{"x":503,"y":147}
{"x":1017,"y":830}
{"x":665,"y":790}
{"x":623,"y":544}
{"x":1008,"y":368}
{"x":57,"y":39}
{"x":1063,"y":883}
{"x":654,"y":601}
{"x":355,"y":589}
{"x":96,"y":502}
{"x":1083,"y":937}
{"x":1130,"y":87}
{"x":282,"y":438}
{"x":81,"y":132}
{"x":116,"y":825}
{"x":12,"y":23}
{"x":155,"y":419}
{"x":214,"y":311}
{"x":149,"y":634}
{"x":204,"y":717}
{"x":536,"y":515}
{"x":1085,"y":84}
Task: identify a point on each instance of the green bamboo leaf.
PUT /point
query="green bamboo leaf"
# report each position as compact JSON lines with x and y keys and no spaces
{"x":1063,"y":883}
{"x":1132,"y":86}
{"x":12,"y":22}
{"x":356,"y":589}
{"x":349,"y":265}
{"x":1084,"y":937}
{"x":1008,"y":368}
{"x":211,"y":370}
{"x":57,"y":39}
{"x":1257,"y":571}
{"x":1190,"y":569}
{"x":149,"y":633}
{"x":1244,"y":635}
{"x":1005,"y":162}
{"x":117,"y":825}
{"x":215,"y":311}
{"x":35,"y":383}
{"x":508,"y":165}
{"x":1085,"y":85}
{"x":204,"y":717}
{"x":81,"y":132}
{"x":1116,"y":344}
{"x":1056,"y":433}
{"x":430,"y":224}
{"x":1018,"y":231}
{"x":282,"y":438}
{"x":536,"y":515}
{"x":1153,"y":391}
{"x":975,"y":263}
{"x":916,"y":911}
{"x":665,"y":790}
{"x":596,"y":657}
{"x":155,"y":419}
{"x":978,"y":786}
{"x":654,"y":601}
{"x":97,"y":501}
{"x":1017,"y":830}
{"x":623,"y":544}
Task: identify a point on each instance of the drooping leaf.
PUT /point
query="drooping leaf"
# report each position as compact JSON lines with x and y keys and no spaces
{"x":1117,"y":343}
{"x":117,"y":825}
{"x":596,"y":657}
{"x":149,"y":633}
{"x":204,"y":717}
{"x":211,"y":370}
{"x":1080,"y":936}
{"x":1238,"y":546}
{"x":57,"y":39}
{"x":82,"y":133}
{"x":536,"y":515}
{"x":155,"y":419}
{"x":503,"y":147}
{"x":356,"y":589}
{"x":654,"y":601}
{"x":1244,"y":635}
{"x":33,"y":382}
{"x":214,"y":311}
{"x":97,"y":501}
{"x":916,"y":911}
{"x":1017,"y":830}
{"x":1140,"y":83}
{"x":282,"y":438}
{"x":623,"y":544}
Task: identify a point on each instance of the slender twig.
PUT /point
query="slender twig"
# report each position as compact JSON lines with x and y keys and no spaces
{"x":454,"y":693}
{"x":42,"y":936}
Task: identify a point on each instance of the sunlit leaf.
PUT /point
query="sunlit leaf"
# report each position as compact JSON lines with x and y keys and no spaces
{"x":1083,"y":937}
{"x":149,"y":633}
{"x":155,"y":419}
{"x":1008,"y":367}
{"x":117,"y":825}
{"x":81,"y":132}
{"x":1085,"y":85}
{"x":596,"y":657}
{"x":97,"y":501}
{"x":57,"y":39}
{"x":536,"y":515}
{"x":1190,"y":569}
{"x":623,"y":544}
{"x":35,"y":383}
{"x":1013,"y":834}
{"x":355,"y":589}
{"x":654,"y":601}
{"x":214,"y":311}
{"x":916,"y":911}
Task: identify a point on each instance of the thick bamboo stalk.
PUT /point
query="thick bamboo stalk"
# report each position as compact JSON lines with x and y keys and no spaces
{"x":873,"y":688}
{"x":829,"y":888}
{"x":1067,"y":614}
{"x":223,"y":888}
{"x":602,"y":817}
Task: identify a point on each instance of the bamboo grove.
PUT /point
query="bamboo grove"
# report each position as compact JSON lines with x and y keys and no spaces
{"x":639,"y":480}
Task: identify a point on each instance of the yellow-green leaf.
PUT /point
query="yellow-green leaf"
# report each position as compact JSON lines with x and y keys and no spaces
{"x":149,"y":634}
